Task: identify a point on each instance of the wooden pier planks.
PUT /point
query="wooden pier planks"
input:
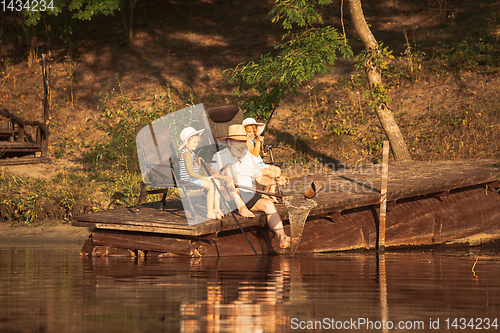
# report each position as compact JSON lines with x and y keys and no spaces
{"x":343,"y":190}
{"x":357,"y":187}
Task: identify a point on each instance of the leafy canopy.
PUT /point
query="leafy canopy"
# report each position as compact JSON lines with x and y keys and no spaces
{"x":82,"y":9}
{"x":300,"y":12}
{"x":298,"y":57}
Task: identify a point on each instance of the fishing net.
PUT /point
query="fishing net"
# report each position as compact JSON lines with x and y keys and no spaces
{"x":298,"y":210}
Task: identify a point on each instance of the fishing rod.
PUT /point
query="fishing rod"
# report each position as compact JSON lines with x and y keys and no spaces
{"x":226,"y":206}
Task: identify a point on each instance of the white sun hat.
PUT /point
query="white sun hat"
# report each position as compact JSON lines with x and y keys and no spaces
{"x":188,"y":133}
{"x":251,"y":121}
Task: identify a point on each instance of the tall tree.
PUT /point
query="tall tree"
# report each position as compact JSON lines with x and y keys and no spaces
{"x":127,"y":7}
{"x":374,"y":73}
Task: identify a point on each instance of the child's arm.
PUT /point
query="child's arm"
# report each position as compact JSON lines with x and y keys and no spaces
{"x":254,"y":150}
{"x":189,"y":166}
{"x":222,"y":175}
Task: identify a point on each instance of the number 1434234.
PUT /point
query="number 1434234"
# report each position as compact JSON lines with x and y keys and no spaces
{"x":33,"y":5}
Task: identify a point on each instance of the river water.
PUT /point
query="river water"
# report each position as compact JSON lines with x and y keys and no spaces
{"x":53,"y":289}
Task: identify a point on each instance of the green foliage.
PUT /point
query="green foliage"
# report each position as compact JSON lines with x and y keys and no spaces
{"x":26,"y":200}
{"x":297,"y":58}
{"x":68,"y":202}
{"x":17,"y":200}
{"x":86,"y":9}
{"x":340,"y":128}
{"x":377,"y":95}
{"x":32,"y":17}
{"x":464,"y":55}
{"x":81,"y":9}
{"x":300,"y":12}
{"x":122,"y":187}
{"x":468,"y":42}
{"x":374,"y":145}
{"x":408,"y":67}
{"x":20,"y":208}
{"x":379,"y":57}
{"x":119,"y":120}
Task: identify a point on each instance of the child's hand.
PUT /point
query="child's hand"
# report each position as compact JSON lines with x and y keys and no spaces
{"x":283,"y":181}
{"x":228,"y":182}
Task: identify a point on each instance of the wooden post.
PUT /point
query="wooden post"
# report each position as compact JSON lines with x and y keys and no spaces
{"x":383,"y":197}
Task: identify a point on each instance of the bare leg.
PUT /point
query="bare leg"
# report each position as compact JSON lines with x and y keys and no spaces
{"x":217,"y":210}
{"x":273,"y":220}
{"x":210,"y":198}
{"x":242,"y":208}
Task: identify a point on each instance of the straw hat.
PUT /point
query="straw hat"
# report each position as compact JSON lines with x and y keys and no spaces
{"x":188,"y":133}
{"x":251,"y":121}
{"x":236,"y":132}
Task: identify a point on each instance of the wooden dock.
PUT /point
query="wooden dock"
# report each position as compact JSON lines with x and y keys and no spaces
{"x":21,"y":141}
{"x":428,"y":203}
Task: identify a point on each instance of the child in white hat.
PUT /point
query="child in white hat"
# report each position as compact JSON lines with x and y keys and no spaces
{"x":190,"y":171}
{"x":254,"y":144}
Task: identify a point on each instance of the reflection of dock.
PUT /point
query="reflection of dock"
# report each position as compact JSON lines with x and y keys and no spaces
{"x":429,"y":203}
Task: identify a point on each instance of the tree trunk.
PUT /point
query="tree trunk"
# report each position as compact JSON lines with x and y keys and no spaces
{"x":374,"y":73}
{"x":46,"y":106}
{"x":128,"y":22}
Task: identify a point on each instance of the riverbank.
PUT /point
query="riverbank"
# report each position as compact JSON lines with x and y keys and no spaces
{"x":44,"y":235}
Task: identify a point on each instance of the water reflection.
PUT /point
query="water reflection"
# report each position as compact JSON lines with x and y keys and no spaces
{"x":251,"y":306}
{"x":384,"y":309}
{"x":54,"y":290}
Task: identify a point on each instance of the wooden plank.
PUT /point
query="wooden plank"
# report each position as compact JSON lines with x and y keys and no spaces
{"x":136,"y":240}
{"x":12,"y":146}
{"x":24,"y":160}
{"x":132,"y":227}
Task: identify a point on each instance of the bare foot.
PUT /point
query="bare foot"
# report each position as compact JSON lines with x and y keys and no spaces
{"x":211,"y":215}
{"x":284,"y":241}
{"x":219,"y":215}
{"x":243,"y":210}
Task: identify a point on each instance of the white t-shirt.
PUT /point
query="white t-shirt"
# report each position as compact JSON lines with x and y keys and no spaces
{"x":246,"y":168}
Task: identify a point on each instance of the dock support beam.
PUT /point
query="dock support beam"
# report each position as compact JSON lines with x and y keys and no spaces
{"x":383,"y":197}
